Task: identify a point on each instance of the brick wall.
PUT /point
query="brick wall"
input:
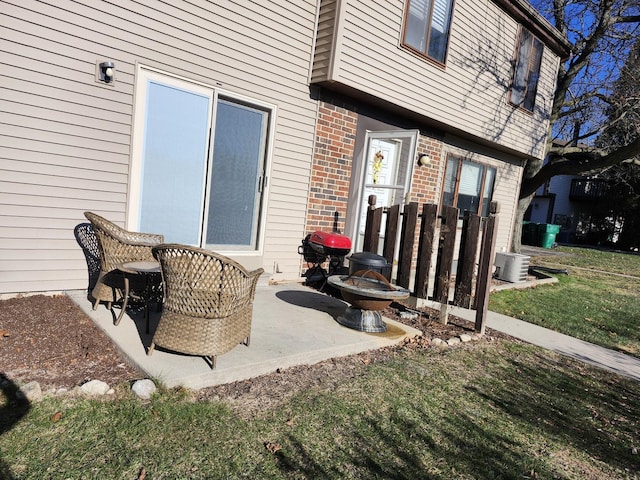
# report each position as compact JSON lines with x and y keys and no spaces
{"x":331,"y":170}
{"x":333,"y":161}
{"x":426,"y":179}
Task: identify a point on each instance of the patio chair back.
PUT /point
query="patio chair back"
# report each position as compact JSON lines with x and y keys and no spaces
{"x":86,"y":238}
{"x":208,"y":301}
{"x":117,"y":246}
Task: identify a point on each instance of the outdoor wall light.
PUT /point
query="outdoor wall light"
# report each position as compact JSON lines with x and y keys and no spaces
{"x":423,"y":159}
{"x":106,"y":71}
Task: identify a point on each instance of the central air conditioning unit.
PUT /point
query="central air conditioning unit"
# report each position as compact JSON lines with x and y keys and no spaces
{"x":511,"y":267}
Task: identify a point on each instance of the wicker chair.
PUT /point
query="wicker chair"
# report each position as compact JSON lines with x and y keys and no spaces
{"x":208,"y":302}
{"x":116,"y":246}
{"x":86,"y":238}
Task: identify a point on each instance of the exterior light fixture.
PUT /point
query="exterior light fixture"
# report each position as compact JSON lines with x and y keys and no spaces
{"x":106,"y":72}
{"x":423,"y":159}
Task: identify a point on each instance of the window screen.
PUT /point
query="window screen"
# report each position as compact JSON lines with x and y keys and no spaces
{"x":527,"y":71}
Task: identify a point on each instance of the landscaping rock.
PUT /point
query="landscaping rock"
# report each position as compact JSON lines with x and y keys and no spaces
{"x":464,"y":338}
{"x":144,"y":388}
{"x":95,"y":387}
{"x":453,"y":341}
{"x":30,"y":391}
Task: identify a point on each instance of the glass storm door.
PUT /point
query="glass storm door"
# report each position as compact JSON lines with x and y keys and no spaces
{"x":386,"y":174}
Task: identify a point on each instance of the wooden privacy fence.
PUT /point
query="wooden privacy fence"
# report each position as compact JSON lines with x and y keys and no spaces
{"x":437,"y":233}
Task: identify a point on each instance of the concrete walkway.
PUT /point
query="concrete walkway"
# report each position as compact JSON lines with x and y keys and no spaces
{"x":543,"y":337}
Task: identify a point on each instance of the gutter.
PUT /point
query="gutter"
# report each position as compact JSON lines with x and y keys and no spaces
{"x":524,"y":13}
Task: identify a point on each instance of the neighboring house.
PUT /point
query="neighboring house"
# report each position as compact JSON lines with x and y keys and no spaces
{"x":241,"y":126}
{"x":575,"y":203}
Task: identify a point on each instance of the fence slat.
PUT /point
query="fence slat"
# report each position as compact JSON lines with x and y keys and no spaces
{"x":466,"y":259}
{"x":483,"y":286}
{"x":372,"y":227}
{"x":446,"y":247}
{"x":391,"y":233}
{"x":407,"y":240}
{"x":425,"y":248}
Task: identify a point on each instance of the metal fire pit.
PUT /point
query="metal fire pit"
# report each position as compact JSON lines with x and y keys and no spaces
{"x":367,"y":292}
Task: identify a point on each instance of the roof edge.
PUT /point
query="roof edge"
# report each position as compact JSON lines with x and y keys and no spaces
{"x":524,"y":13}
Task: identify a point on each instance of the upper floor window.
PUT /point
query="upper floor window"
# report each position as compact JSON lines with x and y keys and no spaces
{"x":427,"y":27}
{"x":527,"y":71}
{"x":468,"y":186}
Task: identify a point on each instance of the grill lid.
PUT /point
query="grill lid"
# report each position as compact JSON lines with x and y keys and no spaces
{"x":330,"y":240}
{"x":369,"y":259}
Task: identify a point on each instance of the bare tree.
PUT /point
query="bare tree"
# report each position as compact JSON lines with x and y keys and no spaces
{"x":602,"y":34}
{"x":623,"y":112}
{"x":624,"y":192}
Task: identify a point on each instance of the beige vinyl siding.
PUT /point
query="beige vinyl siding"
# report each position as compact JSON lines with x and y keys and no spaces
{"x":508,"y":177}
{"x":65,"y":140}
{"x":468,"y":94}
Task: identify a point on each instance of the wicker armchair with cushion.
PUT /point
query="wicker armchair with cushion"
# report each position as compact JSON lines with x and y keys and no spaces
{"x":208,"y":303}
{"x":117,"y":246}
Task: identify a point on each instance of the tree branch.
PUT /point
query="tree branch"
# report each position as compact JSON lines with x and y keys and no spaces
{"x":577,"y":161}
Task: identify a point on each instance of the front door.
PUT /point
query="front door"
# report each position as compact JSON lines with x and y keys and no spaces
{"x":386,"y":173}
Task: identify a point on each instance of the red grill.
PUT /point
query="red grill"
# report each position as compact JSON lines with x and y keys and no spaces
{"x":319,"y":246}
{"x":330,"y":244}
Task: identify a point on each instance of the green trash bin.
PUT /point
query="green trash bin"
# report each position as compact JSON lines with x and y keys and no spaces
{"x":530,"y":233}
{"x":547,"y":234}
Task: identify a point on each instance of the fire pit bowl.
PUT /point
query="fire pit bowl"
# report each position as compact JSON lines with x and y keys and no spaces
{"x":367,"y":292}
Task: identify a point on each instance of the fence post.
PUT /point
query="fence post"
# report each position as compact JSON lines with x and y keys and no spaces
{"x":372,"y":227}
{"x":446,"y":249}
{"x":425,"y":248}
{"x":407,"y":240}
{"x":391,"y":233}
{"x":466,"y":259}
{"x":483,"y":286}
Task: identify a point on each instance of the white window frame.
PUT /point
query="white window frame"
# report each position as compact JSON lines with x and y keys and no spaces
{"x":461,"y":161}
{"x":143,"y":74}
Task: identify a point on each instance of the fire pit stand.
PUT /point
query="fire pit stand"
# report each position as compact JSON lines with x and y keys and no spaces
{"x":368,"y":292}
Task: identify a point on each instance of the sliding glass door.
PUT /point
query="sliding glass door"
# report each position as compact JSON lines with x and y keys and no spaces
{"x":236,"y":178}
{"x":174,"y":161}
{"x":198,"y":172}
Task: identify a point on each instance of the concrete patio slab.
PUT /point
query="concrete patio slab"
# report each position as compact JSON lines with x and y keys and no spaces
{"x":292,"y":325}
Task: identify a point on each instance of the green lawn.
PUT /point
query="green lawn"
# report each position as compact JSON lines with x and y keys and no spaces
{"x":595,"y":259}
{"x":495,"y":410}
{"x":587,"y":304}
